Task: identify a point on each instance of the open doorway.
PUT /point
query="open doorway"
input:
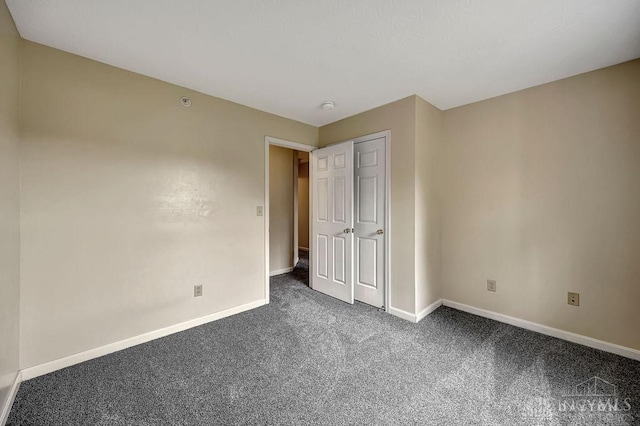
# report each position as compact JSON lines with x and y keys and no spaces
{"x":286,"y":212}
{"x":302,"y":207}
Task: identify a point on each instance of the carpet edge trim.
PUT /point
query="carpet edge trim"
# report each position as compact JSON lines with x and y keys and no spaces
{"x":58,"y":364}
{"x":549,"y":331}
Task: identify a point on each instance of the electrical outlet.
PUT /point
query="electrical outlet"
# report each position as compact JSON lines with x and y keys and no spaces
{"x":197,"y":290}
{"x":491,"y":285}
{"x":259,"y":211}
{"x":573,"y":299}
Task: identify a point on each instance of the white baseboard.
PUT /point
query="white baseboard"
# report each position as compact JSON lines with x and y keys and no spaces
{"x":6,"y":409}
{"x":426,"y":311}
{"x":280,"y":271}
{"x":414,"y":317}
{"x":303,"y":248}
{"x":401,"y":314}
{"x":48,"y":367}
{"x":549,"y":331}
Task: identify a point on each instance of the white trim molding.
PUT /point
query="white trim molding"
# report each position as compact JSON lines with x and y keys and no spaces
{"x":48,"y":367}
{"x":280,"y":271}
{"x":426,"y":311}
{"x":269,"y":140}
{"x":6,"y":409}
{"x":549,"y":331}
{"x":408,"y":316}
{"x":414,"y":317}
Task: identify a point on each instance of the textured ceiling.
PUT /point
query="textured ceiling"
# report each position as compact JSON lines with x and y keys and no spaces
{"x":287,"y":56}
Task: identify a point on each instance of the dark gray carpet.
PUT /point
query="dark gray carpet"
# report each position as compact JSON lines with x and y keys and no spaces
{"x":309,"y":359}
{"x":303,"y":263}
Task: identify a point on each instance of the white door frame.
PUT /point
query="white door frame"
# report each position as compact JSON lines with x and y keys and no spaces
{"x":387,"y":209}
{"x":268,"y":141}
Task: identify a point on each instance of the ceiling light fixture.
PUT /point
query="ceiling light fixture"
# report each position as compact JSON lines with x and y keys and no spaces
{"x":328,"y":105}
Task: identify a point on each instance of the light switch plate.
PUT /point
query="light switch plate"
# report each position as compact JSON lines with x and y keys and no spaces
{"x":259,"y":210}
{"x":491,"y":285}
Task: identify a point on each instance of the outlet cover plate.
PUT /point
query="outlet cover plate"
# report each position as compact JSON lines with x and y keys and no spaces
{"x":197,"y":290}
{"x":491,"y":285}
{"x":573,"y":298}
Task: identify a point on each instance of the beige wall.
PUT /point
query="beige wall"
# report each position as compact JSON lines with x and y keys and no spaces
{"x":281,"y":175}
{"x":399,"y":117}
{"x":129,"y":199}
{"x":542,"y":194}
{"x":303,"y":205}
{"x":428,"y":184}
{"x":9,"y":202}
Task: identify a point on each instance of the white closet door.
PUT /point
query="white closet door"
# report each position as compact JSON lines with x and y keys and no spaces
{"x":332,"y":221}
{"x":369,"y":221}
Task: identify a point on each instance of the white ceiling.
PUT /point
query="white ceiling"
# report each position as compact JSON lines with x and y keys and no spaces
{"x":287,"y":56}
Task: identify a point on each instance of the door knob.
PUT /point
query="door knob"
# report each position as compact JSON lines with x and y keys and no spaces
{"x":380,"y":232}
{"x":346,"y":230}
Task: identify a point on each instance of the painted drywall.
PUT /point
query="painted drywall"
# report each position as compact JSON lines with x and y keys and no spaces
{"x":287,"y":56}
{"x":428,"y":184}
{"x":9,"y":202}
{"x":542,"y":193}
{"x":303,"y":204}
{"x":281,"y":175}
{"x":399,"y":117}
{"x":129,"y":200}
